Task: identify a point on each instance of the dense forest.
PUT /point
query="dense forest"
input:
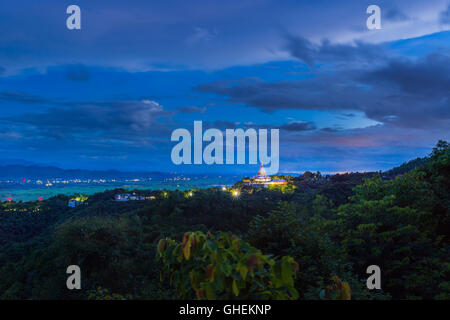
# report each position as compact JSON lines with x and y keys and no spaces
{"x":311,"y":239}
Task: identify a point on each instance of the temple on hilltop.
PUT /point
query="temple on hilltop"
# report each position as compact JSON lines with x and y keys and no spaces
{"x":263,"y":180}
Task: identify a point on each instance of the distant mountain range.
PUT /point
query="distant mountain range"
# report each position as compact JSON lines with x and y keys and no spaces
{"x":33,"y":171}
{"x":21,"y":169}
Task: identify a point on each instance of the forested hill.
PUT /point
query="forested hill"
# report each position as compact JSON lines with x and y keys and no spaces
{"x":415,"y":163}
{"x":408,"y":166}
{"x":311,"y":239}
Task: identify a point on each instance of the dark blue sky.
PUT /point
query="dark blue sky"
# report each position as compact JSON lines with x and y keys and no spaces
{"x":109,"y":95}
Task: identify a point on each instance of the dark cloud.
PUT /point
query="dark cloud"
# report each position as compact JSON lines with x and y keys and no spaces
{"x":444,"y":17}
{"x":221,"y":125}
{"x":394,"y":14}
{"x":298,"y":126}
{"x":119,"y":121}
{"x":293,"y":126}
{"x":407,"y":93}
{"x":204,"y":35}
{"x":191,"y":109}
{"x":428,"y":76}
{"x":329,"y":129}
{"x":77,"y":73}
{"x":310,"y":53}
{"x":320,"y":93}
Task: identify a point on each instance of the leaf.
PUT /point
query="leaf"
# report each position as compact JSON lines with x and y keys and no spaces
{"x":210,"y":295}
{"x":186,"y":245}
{"x":235,"y":288}
{"x":226,"y":268}
{"x":286,"y":273}
{"x":209,"y":272}
{"x":252,"y":261}
{"x":346,"y":293}
{"x":243,"y":271}
{"x":162,"y":245}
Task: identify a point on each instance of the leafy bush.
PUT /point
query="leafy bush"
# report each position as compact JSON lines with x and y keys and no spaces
{"x":224,"y":267}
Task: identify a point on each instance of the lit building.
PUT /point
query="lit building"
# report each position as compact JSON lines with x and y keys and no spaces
{"x":263,"y":180}
{"x":132,"y":197}
{"x":261,"y":177}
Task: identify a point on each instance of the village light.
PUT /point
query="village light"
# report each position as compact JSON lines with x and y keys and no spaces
{"x":235,"y":193}
{"x":224,"y":189}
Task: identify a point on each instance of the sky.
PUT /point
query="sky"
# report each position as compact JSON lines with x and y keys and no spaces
{"x":108,"y":96}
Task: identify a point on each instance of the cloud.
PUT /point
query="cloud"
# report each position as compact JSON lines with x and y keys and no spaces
{"x":394,"y":14}
{"x":444,"y":16}
{"x":293,"y":126}
{"x":371,"y":148}
{"x":401,"y":92}
{"x":320,"y":93}
{"x":310,"y":53}
{"x":298,"y":126}
{"x":102,"y":121}
{"x":124,"y":36}
{"x":201,"y":35}
{"x":192,"y":109}
{"x":428,"y":76}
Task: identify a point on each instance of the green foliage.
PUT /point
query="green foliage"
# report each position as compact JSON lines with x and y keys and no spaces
{"x":80,"y":197}
{"x":397,"y":224}
{"x":103,"y":294}
{"x":285,"y":232}
{"x":336,"y":290}
{"x":225,"y":267}
{"x":287,"y":188}
{"x":333,"y":227}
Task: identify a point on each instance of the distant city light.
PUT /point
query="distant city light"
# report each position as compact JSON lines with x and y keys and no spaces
{"x":235,"y":193}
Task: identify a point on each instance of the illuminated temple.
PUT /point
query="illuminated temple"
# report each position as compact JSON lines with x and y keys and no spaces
{"x":263,"y":180}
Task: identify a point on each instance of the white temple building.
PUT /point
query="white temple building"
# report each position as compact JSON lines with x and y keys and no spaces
{"x":263,"y":180}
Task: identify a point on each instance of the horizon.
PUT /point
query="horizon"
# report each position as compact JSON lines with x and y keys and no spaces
{"x":6,"y":163}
